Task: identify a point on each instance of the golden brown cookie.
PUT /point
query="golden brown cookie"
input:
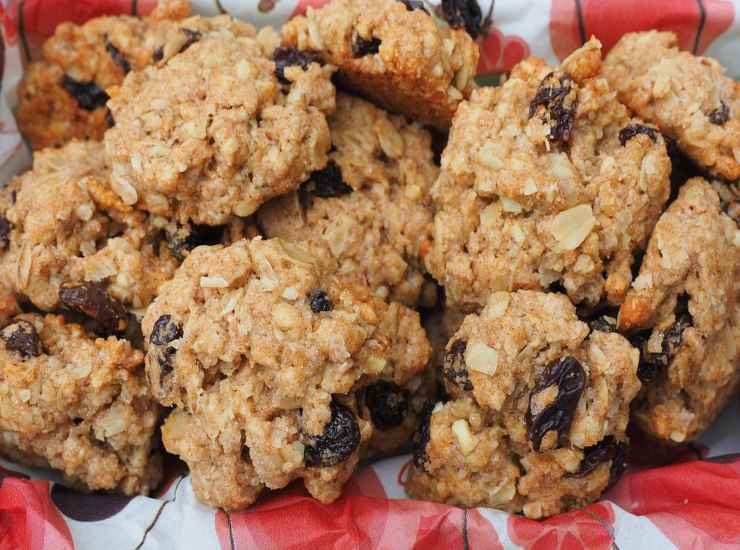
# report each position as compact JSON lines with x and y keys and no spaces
{"x":264,"y":352}
{"x":77,"y":404}
{"x":370,"y":208}
{"x":68,"y":230}
{"x":546,"y":182}
{"x":393,"y":53}
{"x":539,"y":410}
{"x":217,"y":130}
{"x":688,"y":97}
{"x":62,"y":97}
{"x":682,"y":313}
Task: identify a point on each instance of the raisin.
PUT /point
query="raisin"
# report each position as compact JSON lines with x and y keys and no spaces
{"x":559,"y":99}
{"x":363,"y":47}
{"x":420,"y":439}
{"x":454,"y":367}
{"x":631,"y":130}
{"x":92,"y":300}
{"x":192,"y":38}
{"x":88,"y":94}
{"x":570,"y":378}
{"x":319,"y":301}
{"x":387,"y":404}
{"x":22,"y":338}
{"x":187,"y":237}
{"x":720,"y":115}
{"x":340,"y":439}
{"x":651,"y":363}
{"x":117,"y":56}
{"x":557,"y":287}
{"x":158,"y":54}
{"x":465,"y":14}
{"x":5,"y":228}
{"x":603,"y":323}
{"x":328,"y":182}
{"x":412,"y":5}
{"x":605,"y":450}
{"x":109,"y":119}
{"x":288,"y":57}
{"x":165,"y":330}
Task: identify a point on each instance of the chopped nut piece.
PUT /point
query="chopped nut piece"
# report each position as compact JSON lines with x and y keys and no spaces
{"x":467,"y":440}
{"x":482,"y":358}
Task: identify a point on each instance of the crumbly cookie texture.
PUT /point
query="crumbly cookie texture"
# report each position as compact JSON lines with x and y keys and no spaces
{"x":688,"y":97}
{"x":729,"y":198}
{"x":393,"y":53}
{"x":263,"y":353}
{"x":370,"y":208}
{"x":68,"y":229}
{"x":684,"y":303}
{"x":63,"y":96}
{"x":546,"y":180}
{"x":537,"y":422}
{"x":77,"y":404}
{"x":215,"y":132}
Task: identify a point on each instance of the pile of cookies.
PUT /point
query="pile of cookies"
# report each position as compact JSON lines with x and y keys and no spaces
{"x":279,"y":255}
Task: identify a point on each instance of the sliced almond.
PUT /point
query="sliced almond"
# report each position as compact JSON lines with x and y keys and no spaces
{"x":497,"y":305}
{"x":481,"y":358}
{"x":571,"y":227}
{"x":375,"y":365}
{"x":285,"y":316}
{"x":510,"y":205}
{"x":503,"y":492}
{"x":290,"y":293}
{"x":467,"y":440}
{"x":125,"y":190}
{"x":213,"y":282}
{"x":297,"y":253}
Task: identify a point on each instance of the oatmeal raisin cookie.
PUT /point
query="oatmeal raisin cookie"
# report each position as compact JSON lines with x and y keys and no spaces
{"x":683,"y":314}
{"x":370,"y":207}
{"x":217,"y":130}
{"x":78,"y":404}
{"x":546,"y":180}
{"x":537,"y":423}
{"x":688,"y":97}
{"x":62,"y":97}
{"x":67,"y":227}
{"x":263,"y":351}
{"x":392,"y":52}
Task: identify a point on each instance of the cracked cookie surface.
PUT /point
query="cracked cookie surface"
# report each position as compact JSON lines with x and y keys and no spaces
{"x":546,"y":180}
